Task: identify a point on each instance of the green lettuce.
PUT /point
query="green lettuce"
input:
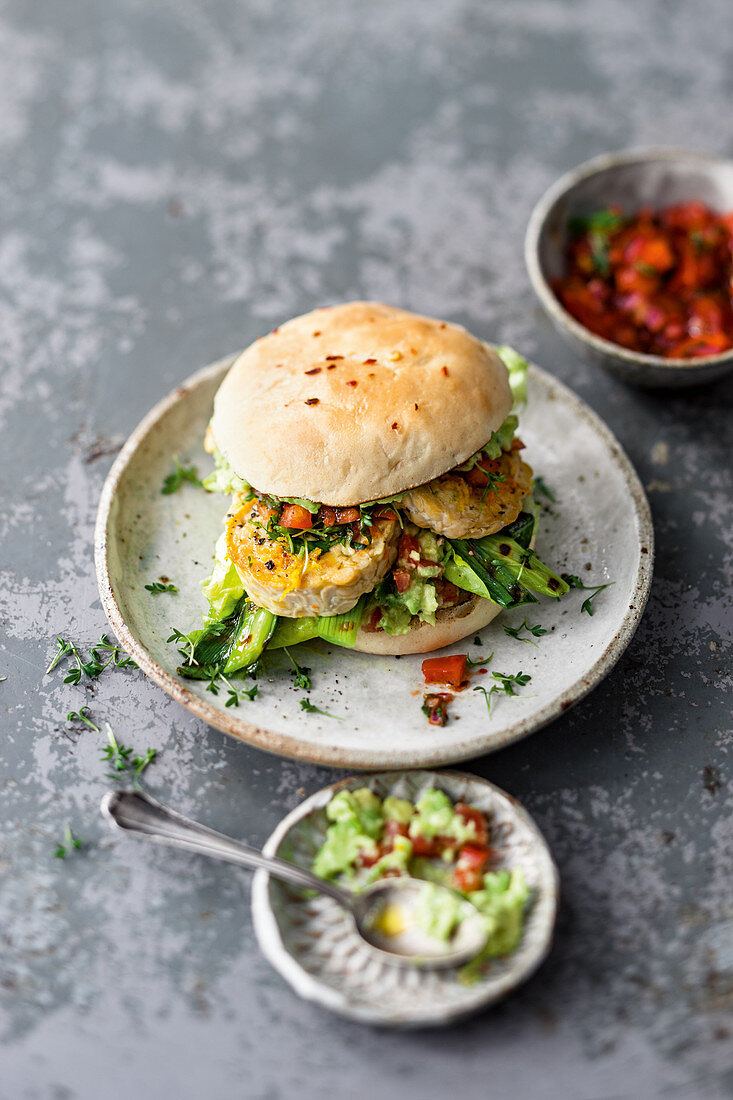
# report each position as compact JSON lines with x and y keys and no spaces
{"x":224,"y":588}
{"x":223,"y":479}
{"x":517,"y":366}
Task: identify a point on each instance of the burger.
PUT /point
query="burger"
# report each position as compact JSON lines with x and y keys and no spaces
{"x":380,"y":499}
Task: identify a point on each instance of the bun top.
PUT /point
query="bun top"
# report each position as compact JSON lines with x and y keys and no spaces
{"x":358,"y":402}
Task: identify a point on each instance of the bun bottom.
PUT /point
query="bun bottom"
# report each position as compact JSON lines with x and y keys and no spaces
{"x":451,"y":625}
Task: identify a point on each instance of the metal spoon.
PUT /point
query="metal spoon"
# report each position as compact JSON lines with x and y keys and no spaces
{"x":143,"y":816}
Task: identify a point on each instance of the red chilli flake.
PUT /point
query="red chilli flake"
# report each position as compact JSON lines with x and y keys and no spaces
{"x":329,"y":357}
{"x":444,"y":371}
{"x":395,"y":426}
{"x":416,"y":406}
{"x":316,"y":370}
{"x":317,"y":332}
{"x":312,"y":401}
{"x":443,"y":324}
{"x":369,"y":361}
{"x":353,"y":382}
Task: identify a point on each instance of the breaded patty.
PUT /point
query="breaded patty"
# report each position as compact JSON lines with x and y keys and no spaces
{"x":325,"y":582}
{"x":471,"y":505}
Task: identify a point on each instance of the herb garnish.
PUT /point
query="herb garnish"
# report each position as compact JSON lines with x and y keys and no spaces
{"x":70,"y":843}
{"x":158,"y":586}
{"x":173,"y":482}
{"x":541,"y":487}
{"x":480,"y":660}
{"x":302,"y":679}
{"x":305,"y":704}
{"x":122,"y":760}
{"x":95,"y":665}
{"x":594,"y":589}
{"x":515,"y":631}
{"x":82,"y":715}
{"x":505,"y":685}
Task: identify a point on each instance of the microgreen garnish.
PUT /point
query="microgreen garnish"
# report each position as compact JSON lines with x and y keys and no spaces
{"x":515,"y":632}
{"x":82,"y":715}
{"x":96,"y":664}
{"x":305,"y":704}
{"x":121,"y":759}
{"x":302,"y":679}
{"x":479,"y":660}
{"x":492,"y":480}
{"x":158,"y":586}
{"x":188,"y":644}
{"x":594,"y":589}
{"x":115,"y":753}
{"x":506,"y":685}
{"x":180,"y":474}
{"x":70,"y":843}
{"x":541,"y":487}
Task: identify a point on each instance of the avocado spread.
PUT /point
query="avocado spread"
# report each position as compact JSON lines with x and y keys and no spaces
{"x":368,"y":838}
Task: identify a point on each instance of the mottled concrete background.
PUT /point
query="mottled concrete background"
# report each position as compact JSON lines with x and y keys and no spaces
{"x":176,"y":178}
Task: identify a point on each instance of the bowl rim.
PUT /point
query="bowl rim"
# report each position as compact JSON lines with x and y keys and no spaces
{"x":536,"y":224}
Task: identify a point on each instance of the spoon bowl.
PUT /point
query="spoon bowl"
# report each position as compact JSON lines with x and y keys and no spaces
{"x":404,"y":944}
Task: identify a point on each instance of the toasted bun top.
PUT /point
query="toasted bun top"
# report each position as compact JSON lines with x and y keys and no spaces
{"x":357,"y":402}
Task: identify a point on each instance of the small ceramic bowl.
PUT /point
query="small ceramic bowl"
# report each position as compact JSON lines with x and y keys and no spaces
{"x":646,"y":177}
{"x":313,"y":944}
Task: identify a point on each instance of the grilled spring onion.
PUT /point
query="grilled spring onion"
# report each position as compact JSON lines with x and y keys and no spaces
{"x":502,"y":567}
{"x":337,"y":629}
{"x":234,"y":643}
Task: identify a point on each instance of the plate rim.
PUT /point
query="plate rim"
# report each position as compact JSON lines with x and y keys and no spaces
{"x":365,"y":758}
{"x":270,"y":941}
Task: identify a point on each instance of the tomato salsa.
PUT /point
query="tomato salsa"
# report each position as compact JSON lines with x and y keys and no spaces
{"x":657,"y":281}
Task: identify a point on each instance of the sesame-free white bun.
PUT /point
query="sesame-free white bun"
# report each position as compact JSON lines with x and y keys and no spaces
{"x":451,"y":625}
{"x":357,"y":402}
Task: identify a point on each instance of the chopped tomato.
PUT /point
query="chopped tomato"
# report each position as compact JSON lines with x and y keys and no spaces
{"x":327,"y":516}
{"x":406,"y":547}
{"x":347,"y":515}
{"x":470,"y":813}
{"x":372,"y":624}
{"x":445,"y":670}
{"x":423,"y":846}
{"x":293,"y":515}
{"x":436,"y":707}
{"x":392,"y":829}
{"x":384,"y":513}
{"x":402,"y":579}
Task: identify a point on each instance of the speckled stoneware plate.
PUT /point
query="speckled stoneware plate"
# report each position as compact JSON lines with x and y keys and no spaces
{"x":599,"y":527}
{"x":312,"y":942}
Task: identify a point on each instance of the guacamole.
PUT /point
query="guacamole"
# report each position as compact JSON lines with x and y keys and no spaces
{"x":445,"y":844}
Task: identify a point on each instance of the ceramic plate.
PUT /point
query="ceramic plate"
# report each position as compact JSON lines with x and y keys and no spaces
{"x":599,"y":528}
{"x":313,"y":945}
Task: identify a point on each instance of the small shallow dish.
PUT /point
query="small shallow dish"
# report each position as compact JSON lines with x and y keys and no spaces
{"x":644,"y":177}
{"x":599,"y":527}
{"x":312,"y":944}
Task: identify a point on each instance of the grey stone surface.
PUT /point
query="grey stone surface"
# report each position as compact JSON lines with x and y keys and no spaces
{"x":177,"y":178}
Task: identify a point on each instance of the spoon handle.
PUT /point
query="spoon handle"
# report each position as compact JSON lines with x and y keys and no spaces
{"x":145,"y":817}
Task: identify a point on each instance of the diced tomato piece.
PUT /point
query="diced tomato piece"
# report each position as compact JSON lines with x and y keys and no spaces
{"x":347,"y":515}
{"x":368,"y":859}
{"x":391,"y":830}
{"x":372,"y":624}
{"x":384,"y":513}
{"x":423,"y":846}
{"x":294,"y":515}
{"x":327,"y":516}
{"x":406,"y":547}
{"x":402,"y":579}
{"x":445,"y":670}
{"x":471,"y":813}
{"x":448,"y":593}
{"x":467,"y":880}
{"x":470,"y":855}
